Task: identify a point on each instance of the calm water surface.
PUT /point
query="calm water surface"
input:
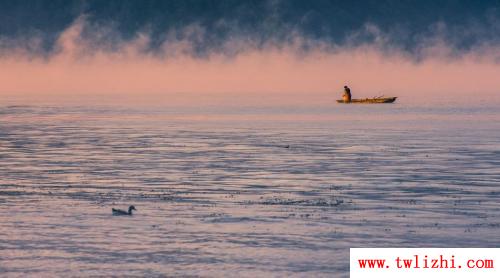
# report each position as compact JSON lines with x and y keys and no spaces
{"x":246,"y":191}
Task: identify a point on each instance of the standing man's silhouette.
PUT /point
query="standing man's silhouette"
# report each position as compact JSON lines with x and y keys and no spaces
{"x":347,"y":94}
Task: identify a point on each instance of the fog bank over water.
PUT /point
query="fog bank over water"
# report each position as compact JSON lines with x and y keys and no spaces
{"x":302,"y":71}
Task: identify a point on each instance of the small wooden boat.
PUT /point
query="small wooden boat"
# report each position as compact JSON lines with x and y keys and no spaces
{"x":370,"y":100}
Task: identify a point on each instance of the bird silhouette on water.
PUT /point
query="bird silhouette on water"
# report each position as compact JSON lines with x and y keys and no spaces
{"x":122,"y":212}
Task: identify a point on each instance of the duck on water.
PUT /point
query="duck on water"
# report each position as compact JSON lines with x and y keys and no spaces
{"x":122,"y":212}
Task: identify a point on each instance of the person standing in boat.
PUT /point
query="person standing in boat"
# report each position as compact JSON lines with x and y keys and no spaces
{"x":347,"y":94}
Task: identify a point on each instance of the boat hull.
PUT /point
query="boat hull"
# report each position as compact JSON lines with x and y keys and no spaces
{"x":370,"y":100}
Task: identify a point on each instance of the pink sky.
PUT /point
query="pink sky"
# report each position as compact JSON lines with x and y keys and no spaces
{"x":260,"y":73}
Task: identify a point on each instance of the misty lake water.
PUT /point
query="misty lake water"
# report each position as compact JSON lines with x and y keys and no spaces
{"x":241,"y":191}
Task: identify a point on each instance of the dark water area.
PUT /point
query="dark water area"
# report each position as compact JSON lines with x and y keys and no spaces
{"x":268,"y":191}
